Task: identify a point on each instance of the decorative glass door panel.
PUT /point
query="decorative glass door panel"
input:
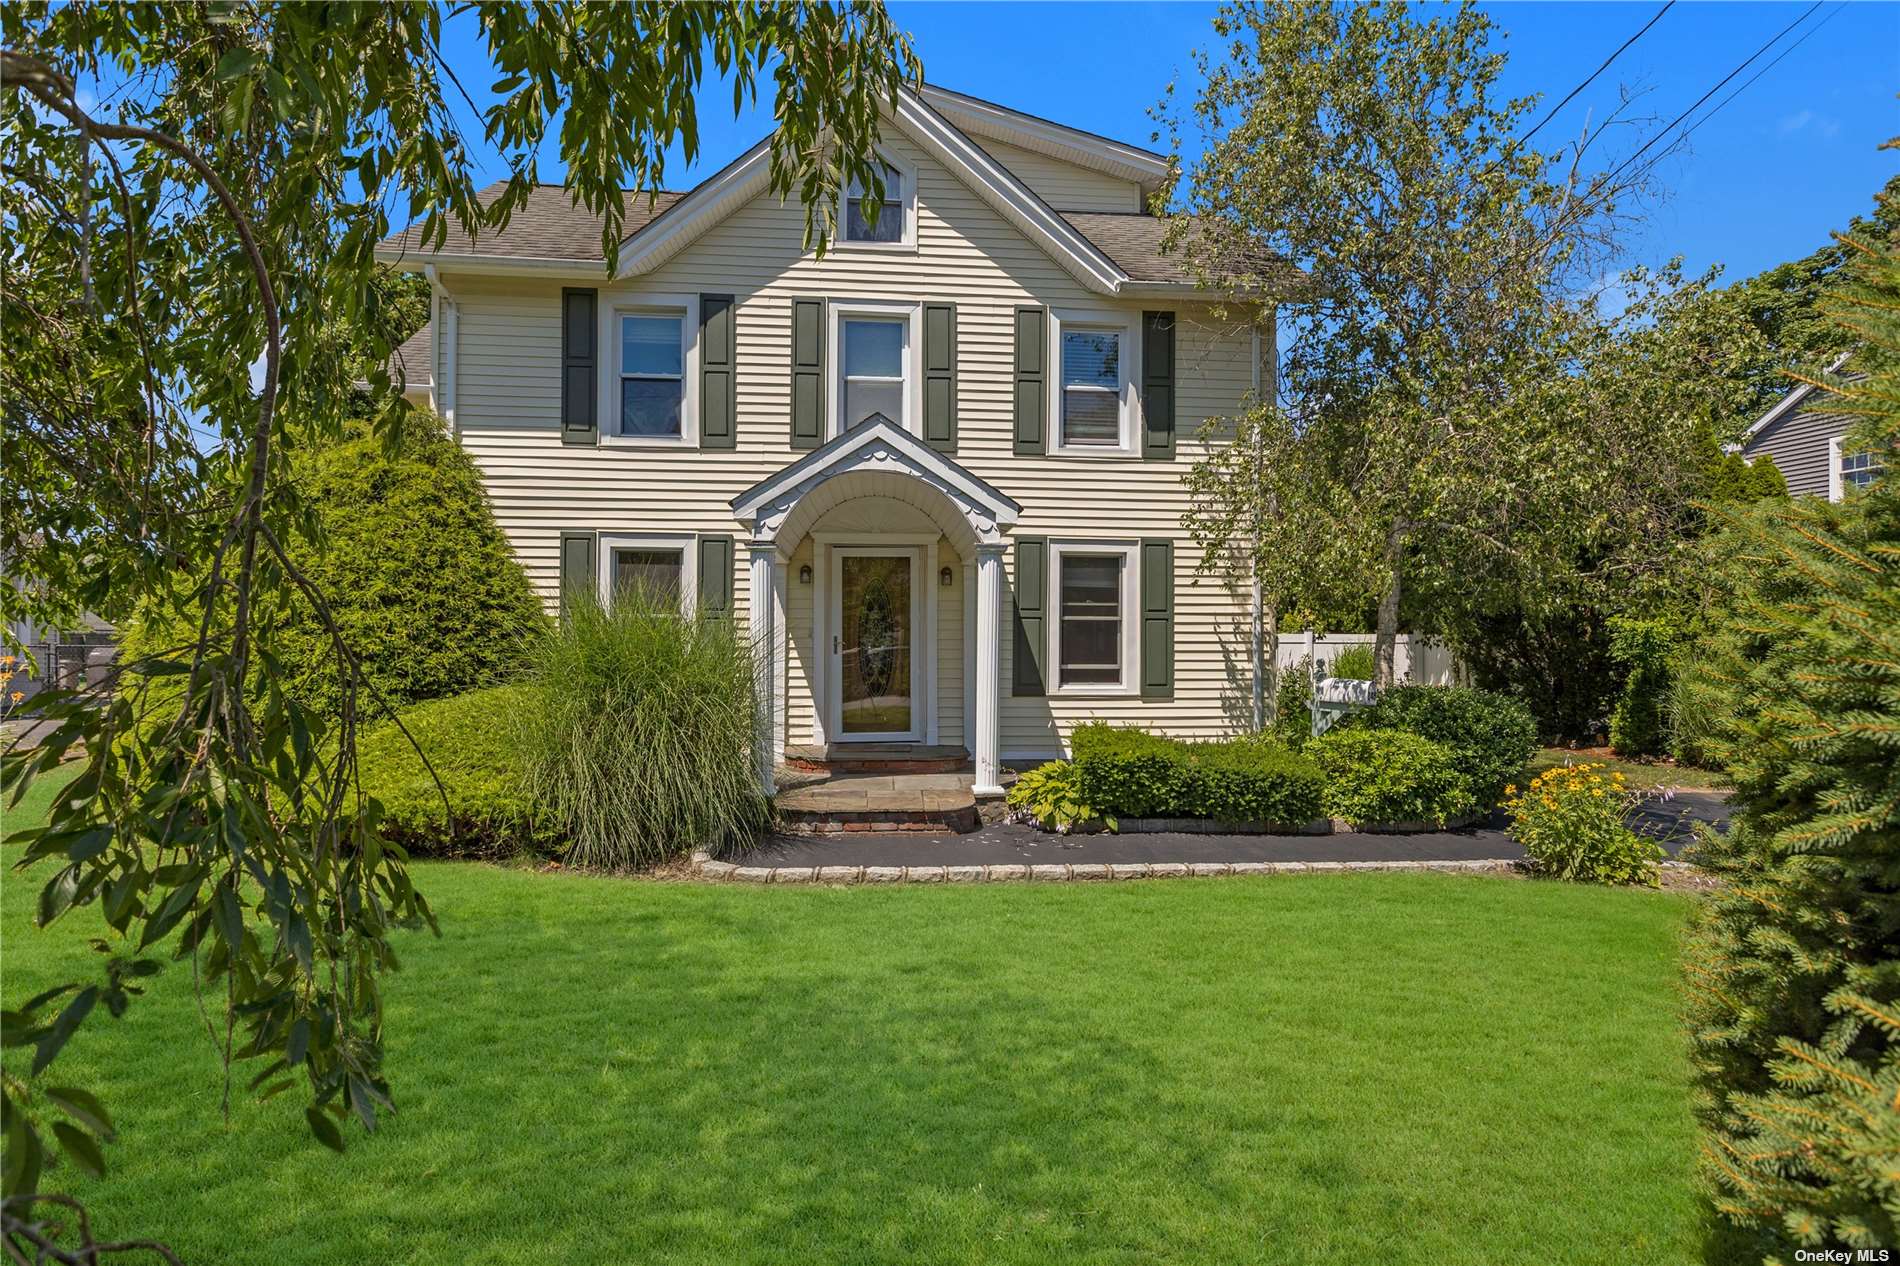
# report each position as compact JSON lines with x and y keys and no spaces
{"x":874,"y":646}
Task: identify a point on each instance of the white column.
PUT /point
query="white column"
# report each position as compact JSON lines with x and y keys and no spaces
{"x":989,"y":636}
{"x":764,"y":636}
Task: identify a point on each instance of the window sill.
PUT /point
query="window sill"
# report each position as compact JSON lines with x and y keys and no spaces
{"x":1090,"y":451}
{"x":648,"y":441}
{"x":875,"y":248}
{"x":1093,"y":692}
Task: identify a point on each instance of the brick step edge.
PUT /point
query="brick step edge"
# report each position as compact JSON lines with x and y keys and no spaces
{"x":728,"y":871}
{"x":959,"y":821}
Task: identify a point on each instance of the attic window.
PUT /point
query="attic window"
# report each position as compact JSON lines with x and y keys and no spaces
{"x":895,"y":211}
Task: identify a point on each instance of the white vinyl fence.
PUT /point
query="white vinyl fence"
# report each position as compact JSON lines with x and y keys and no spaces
{"x":1416,"y":660}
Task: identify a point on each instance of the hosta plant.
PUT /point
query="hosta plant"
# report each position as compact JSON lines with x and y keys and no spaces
{"x":1571,"y":820}
{"x":1051,"y":796}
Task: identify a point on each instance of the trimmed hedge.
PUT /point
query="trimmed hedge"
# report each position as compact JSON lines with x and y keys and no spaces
{"x":1389,"y":776}
{"x":472,"y":743}
{"x":1491,"y":736}
{"x":1129,"y":773}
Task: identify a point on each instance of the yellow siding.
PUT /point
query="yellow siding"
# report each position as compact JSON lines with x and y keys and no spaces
{"x":508,"y":413}
{"x":1065,"y":186}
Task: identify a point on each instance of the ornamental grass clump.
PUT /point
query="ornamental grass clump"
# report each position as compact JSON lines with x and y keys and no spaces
{"x":640,"y":740}
{"x":1571,"y":821}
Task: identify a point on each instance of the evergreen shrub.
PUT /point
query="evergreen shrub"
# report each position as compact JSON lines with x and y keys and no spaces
{"x":1491,"y":736}
{"x":482,"y":809}
{"x":1389,"y":776}
{"x":1132,"y":773}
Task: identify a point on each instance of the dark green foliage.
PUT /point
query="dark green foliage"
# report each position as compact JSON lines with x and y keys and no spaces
{"x":1491,"y":736}
{"x":1647,"y":650}
{"x":1134,"y":774}
{"x":1389,"y":776}
{"x":1795,"y":964}
{"x":1292,"y":697}
{"x":418,"y":576}
{"x":1559,"y":666}
{"x":473,"y":744}
{"x":639,"y":739}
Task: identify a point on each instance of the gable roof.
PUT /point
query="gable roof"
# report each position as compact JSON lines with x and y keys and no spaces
{"x":1107,"y":254}
{"x":1790,"y":402}
{"x":1145,"y":167}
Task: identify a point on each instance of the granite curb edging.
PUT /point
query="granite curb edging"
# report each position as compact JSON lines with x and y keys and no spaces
{"x":1081,"y":872}
{"x":730,"y":872}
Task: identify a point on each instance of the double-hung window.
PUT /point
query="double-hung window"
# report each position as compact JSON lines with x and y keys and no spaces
{"x":1092,"y":401}
{"x":889,"y":211}
{"x":652,"y":374}
{"x":657,"y":569}
{"x":874,"y":363}
{"x":1859,"y":470}
{"x":1093,"y":594}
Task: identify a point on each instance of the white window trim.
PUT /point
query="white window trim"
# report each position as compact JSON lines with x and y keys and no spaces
{"x":638,"y":303}
{"x":1836,"y":488}
{"x":883,"y":309}
{"x":1128,"y":326}
{"x":685,"y":542}
{"x":1130,"y":552}
{"x":907,"y":243}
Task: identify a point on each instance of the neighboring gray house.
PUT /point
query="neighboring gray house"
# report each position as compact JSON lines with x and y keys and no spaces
{"x":1803,"y":437}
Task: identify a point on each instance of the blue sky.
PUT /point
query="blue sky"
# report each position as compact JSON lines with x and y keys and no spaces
{"x":1764,"y":180}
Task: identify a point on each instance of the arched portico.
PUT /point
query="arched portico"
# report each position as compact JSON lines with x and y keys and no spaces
{"x":878,"y":460}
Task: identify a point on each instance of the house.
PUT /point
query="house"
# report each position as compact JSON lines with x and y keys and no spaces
{"x":938,"y":473}
{"x":1803,"y":437}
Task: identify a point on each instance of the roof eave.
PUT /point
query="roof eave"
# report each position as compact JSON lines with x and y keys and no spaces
{"x":1084,"y":149}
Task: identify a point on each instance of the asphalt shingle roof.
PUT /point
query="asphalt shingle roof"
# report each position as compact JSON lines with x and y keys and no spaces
{"x":550,"y":226}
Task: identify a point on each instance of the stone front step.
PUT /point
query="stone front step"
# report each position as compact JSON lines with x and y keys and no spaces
{"x":874,"y":802}
{"x":877,"y":758}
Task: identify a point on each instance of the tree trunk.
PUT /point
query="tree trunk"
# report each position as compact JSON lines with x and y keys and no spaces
{"x":1385,"y":643}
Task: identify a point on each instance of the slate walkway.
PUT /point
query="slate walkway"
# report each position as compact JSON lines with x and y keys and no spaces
{"x":1021,"y":845}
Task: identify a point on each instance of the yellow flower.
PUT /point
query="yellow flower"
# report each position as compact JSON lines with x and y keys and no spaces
{"x":18,"y":695}
{"x":1510,"y":789}
{"x":1597,"y":792}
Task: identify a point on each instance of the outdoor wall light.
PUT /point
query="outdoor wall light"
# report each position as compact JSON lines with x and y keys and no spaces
{"x":804,"y":574}
{"x":943,"y":577}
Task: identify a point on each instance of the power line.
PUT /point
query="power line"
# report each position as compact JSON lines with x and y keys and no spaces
{"x":1607,"y":185}
{"x":1764,"y":70}
{"x":1657,"y":16}
{"x":1711,"y":92}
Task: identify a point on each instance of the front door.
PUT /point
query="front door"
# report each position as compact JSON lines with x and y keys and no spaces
{"x":873,"y":660}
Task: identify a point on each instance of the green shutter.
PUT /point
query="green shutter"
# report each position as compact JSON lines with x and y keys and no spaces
{"x":1157,"y":386}
{"x":1032,"y":381}
{"x":1030,"y":656}
{"x":580,"y":381}
{"x":1157,"y":619}
{"x":940,"y":376}
{"x":808,"y":373}
{"x":715,"y":575}
{"x":579,"y":578}
{"x":718,"y":372}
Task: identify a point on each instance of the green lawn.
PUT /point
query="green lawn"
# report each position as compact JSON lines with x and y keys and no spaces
{"x":1641,"y":775}
{"x":1365,"y":1068}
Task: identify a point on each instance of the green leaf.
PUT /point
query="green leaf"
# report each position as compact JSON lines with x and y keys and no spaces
{"x":82,"y":1147}
{"x":25,"y":1156}
{"x":82,"y":1107}
{"x":297,"y":1045}
{"x":237,"y":62}
{"x":324,"y":1128}
{"x":229,"y":915}
{"x":175,"y":908}
{"x":57,"y":896}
